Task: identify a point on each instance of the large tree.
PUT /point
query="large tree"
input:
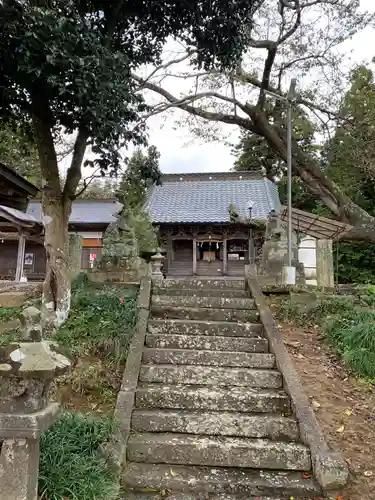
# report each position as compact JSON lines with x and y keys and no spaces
{"x":288,"y":37}
{"x":65,"y":67}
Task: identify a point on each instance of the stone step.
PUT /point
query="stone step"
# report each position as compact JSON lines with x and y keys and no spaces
{"x":243,"y":484}
{"x":196,"y":327}
{"x":193,"y":397}
{"x":206,"y":302}
{"x":204,"y":292}
{"x":205,"y":283}
{"x":270,"y":426}
{"x":208,"y":358}
{"x":186,"y":449}
{"x":205,"y":313}
{"x":240,"y":344}
{"x":208,"y":375}
{"x":142,"y":495}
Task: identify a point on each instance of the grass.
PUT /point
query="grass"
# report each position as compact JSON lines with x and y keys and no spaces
{"x":8,"y":313}
{"x":98,"y":332}
{"x":348,"y":324}
{"x":101,"y":322}
{"x":71,"y":464}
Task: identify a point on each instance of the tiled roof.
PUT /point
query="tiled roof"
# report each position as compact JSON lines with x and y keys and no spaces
{"x":208,"y":200}
{"x":83,"y":211}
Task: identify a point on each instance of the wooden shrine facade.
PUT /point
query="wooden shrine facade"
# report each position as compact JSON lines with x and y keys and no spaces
{"x":209,"y":249}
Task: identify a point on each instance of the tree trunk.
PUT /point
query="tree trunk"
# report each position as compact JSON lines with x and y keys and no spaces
{"x":56,"y":286}
{"x":318,"y":183}
{"x":56,"y":209}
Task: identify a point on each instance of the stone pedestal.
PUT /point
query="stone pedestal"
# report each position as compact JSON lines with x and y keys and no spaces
{"x":27,"y":370}
{"x":275,"y":254}
{"x":324,"y":264}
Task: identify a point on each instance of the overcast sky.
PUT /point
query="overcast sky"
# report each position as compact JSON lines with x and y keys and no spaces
{"x":180,"y":152}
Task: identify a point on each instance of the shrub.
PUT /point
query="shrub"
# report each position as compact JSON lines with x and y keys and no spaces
{"x":101,"y":322}
{"x":348,"y":324}
{"x":71,"y":466}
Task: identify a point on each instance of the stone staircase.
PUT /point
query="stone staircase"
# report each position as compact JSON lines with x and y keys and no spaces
{"x":211,"y":417}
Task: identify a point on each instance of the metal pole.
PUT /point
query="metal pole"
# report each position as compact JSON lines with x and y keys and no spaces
{"x":291,"y":99}
{"x":289,"y":162}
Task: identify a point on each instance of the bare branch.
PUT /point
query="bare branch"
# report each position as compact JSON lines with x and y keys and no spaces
{"x":185,"y":104}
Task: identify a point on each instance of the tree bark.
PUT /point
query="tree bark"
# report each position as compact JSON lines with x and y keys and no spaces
{"x":363,"y":224}
{"x":57,"y":284}
{"x":56,"y":210}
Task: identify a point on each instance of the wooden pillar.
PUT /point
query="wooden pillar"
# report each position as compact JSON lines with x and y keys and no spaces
{"x":194,"y":255}
{"x":251,"y":247}
{"x":225,"y":256}
{"x":20,"y":256}
{"x":169,"y":252}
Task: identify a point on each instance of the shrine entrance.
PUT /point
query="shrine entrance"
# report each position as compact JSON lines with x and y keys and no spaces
{"x":210,"y":257}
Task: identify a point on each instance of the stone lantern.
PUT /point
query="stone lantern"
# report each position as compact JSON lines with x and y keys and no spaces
{"x":27,"y":370}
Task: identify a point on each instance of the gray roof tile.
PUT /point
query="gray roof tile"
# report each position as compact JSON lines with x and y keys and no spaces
{"x":83,"y":211}
{"x":208,"y":201}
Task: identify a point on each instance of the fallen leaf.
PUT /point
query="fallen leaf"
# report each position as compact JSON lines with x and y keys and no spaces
{"x":367,"y":473}
{"x":348,"y":413}
{"x":315,"y":404}
{"x":340,"y":429}
{"x":173,"y":473}
{"x":306,"y":475}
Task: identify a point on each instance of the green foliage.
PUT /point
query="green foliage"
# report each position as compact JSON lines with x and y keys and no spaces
{"x":7,"y":313}
{"x":355,"y":260}
{"x":101,"y":322}
{"x":348,"y":324}
{"x":68,"y":63}
{"x":19,"y":151}
{"x":349,"y":156}
{"x":141,"y":174}
{"x":99,"y":189}
{"x":70,"y":462}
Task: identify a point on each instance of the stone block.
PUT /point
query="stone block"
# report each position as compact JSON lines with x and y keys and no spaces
{"x":207,"y":375}
{"x":218,"y":451}
{"x":13,"y":299}
{"x":211,"y":423}
{"x":219,"y":481}
{"x":237,"y":344}
{"x":206,"y":314}
{"x":211,"y":398}
{"x":330,"y":470}
{"x":206,"y":302}
{"x":208,"y":358}
{"x":208,"y":328}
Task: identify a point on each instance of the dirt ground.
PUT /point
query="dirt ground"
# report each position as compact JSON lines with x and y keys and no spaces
{"x":344,"y":405}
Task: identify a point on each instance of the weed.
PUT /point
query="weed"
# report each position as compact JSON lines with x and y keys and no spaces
{"x":9,"y":337}
{"x":101,"y":323}
{"x":70,"y":463}
{"x":7,"y":313}
{"x":348,"y":324}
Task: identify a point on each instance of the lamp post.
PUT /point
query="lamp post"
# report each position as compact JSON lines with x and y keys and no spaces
{"x":250,"y":205}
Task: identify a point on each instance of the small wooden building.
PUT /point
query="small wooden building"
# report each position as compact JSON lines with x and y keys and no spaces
{"x":211,"y":224}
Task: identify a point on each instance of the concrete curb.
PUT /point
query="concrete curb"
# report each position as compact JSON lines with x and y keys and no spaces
{"x":329,"y":468}
{"x":116,"y":450}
